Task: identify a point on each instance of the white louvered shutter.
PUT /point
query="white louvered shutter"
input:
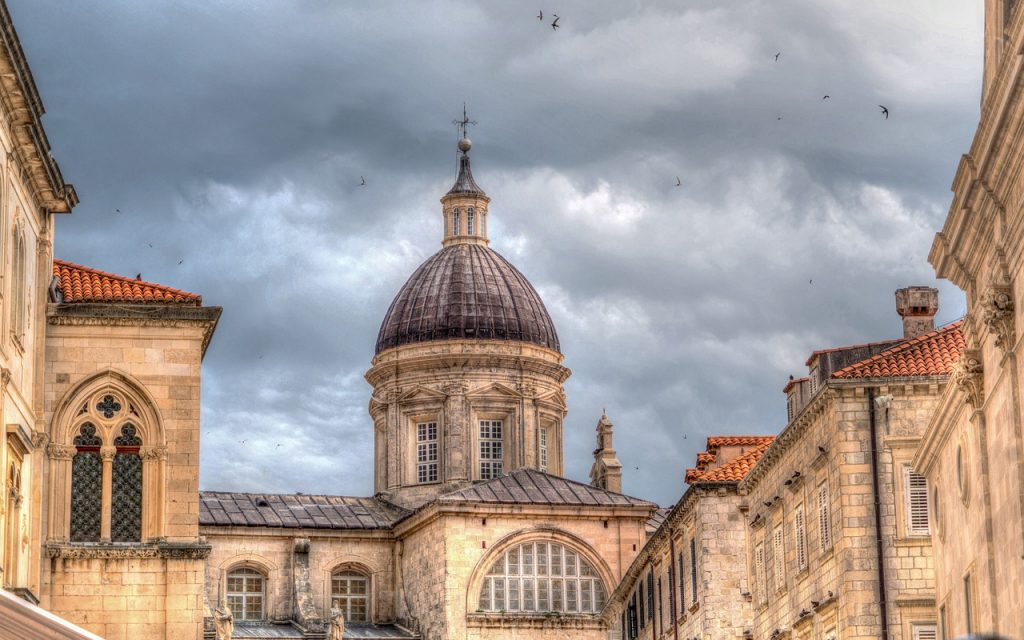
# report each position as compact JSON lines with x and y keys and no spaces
{"x":778,"y":558}
{"x":824,"y":521}
{"x":801,"y":538}
{"x":759,"y":571}
{"x":925,"y":632}
{"x":917,"y":503}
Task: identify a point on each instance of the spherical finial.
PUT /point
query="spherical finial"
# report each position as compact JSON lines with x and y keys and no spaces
{"x":464,"y":145}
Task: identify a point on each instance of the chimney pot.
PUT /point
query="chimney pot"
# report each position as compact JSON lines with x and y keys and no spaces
{"x":917,"y":306}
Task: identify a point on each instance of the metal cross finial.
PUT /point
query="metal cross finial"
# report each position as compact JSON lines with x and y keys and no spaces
{"x":463,"y":124}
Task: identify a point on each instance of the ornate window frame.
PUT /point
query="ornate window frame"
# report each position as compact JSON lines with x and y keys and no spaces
{"x":496,"y":408}
{"x":536,"y":534}
{"x":78,"y":407}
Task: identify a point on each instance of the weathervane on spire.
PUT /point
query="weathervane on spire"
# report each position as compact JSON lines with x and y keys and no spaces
{"x":463,"y":126}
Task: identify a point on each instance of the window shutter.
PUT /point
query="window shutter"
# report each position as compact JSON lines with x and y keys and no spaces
{"x":801,"y":538}
{"x":917,"y":503}
{"x":925,"y":632}
{"x":778,"y":558}
{"x":650,"y":596}
{"x":824,"y":521}
{"x":762,"y":589}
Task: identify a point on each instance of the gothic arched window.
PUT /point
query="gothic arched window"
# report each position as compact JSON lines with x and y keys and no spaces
{"x":86,"y":486}
{"x":19,"y":276}
{"x":126,"y":488}
{"x":350,"y":593}
{"x":540,"y":577}
{"x":246,"y":594}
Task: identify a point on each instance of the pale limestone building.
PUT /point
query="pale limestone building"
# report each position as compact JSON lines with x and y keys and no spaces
{"x":973,"y":450}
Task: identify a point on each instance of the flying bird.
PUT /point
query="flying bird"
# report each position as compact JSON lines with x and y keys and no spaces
{"x":779,"y":118}
{"x":363,"y":181}
{"x":179,"y":262}
{"x":826,"y":97}
{"x":150,"y":245}
{"x":885,"y":111}
{"x":117,"y":210}
{"x":540,"y":15}
{"x":777,"y":56}
{"x":810,"y":282}
{"x":679,"y":182}
{"x":555,"y":25}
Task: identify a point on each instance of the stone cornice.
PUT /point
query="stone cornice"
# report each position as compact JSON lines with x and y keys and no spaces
{"x":90,"y":551}
{"x":135,"y":315}
{"x":559,"y":621}
{"x":23,"y":111}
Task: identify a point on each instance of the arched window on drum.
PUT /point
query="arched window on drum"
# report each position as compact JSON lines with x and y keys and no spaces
{"x":539,"y":577}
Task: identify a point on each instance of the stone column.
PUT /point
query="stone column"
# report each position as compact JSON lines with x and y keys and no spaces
{"x":154,"y":461}
{"x":107,"y":456}
{"x":60,"y":456}
{"x":457,"y":456}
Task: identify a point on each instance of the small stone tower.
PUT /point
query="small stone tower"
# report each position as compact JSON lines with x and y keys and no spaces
{"x":917,"y":306}
{"x":607,"y":470}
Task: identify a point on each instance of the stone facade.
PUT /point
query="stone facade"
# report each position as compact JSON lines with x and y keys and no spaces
{"x":973,"y":450}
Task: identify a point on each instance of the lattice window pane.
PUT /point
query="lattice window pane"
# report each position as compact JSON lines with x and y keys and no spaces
{"x":86,"y":496}
{"x":350,"y":594}
{"x":426,"y":452}
{"x":519,"y":581}
{"x":126,"y":498}
{"x":245,"y":591}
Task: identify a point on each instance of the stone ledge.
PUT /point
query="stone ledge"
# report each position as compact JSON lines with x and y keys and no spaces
{"x":90,"y":551}
{"x":582,"y":621}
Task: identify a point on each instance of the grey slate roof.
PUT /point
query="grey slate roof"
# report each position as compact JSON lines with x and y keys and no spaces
{"x":528,"y":486}
{"x":657,"y":519}
{"x":293,"y":511}
{"x":352,"y":630}
{"x":464,"y":182}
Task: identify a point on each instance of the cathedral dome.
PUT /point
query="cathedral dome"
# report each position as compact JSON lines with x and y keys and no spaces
{"x":467,"y":291}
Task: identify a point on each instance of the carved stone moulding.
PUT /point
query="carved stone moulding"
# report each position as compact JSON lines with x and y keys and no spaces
{"x":996,"y":308}
{"x":966,"y":374}
{"x":93,"y":551}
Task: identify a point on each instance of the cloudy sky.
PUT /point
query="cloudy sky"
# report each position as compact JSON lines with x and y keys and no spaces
{"x":232,"y":135}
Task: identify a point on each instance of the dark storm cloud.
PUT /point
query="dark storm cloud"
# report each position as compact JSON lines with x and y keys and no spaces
{"x":232,"y":136}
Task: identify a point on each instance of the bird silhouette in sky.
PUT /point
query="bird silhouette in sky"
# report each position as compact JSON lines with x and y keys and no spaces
{"x":362,"y":182}
{"x":885,"y":111}
{"x":555,"y":25}
{"x":117,"y":211}
{"x":679,"y":182}
{"x":540,"y":16}
{"x":777,"y":56}
{"x":179,"y":262}
{"x":826,"y":97}
{"x":810,"y":282}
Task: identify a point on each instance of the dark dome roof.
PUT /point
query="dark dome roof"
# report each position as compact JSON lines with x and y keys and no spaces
{"x":467,"y":291}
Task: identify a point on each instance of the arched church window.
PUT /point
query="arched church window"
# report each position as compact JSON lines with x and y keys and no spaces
{"x":470,"y":221}
{"x":246,"y":591}
{"x":540,"y":577}
{"x":455,"y":222}
{"x":86,"y":486}
{"x":126,"y":488}
{"x":350,"y":593}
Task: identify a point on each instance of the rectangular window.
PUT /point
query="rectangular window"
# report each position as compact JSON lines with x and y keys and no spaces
{"x":455,"y":222}
{"x":471,"y":221}
{"x":693,"y":570}
{"x":682,"y":582}
{"x":661,"y":608}
{"x":643,"y":618}
{"x":426,"y":452}
{"x":916,"y":487}
{"x":491,"y":443}
{"x":925,"y":632}
{"x":671,"y":591}
{"x":759,"y":578}
{"x":824,"y":518}
{"x":542,"y":449}
{"x":778,"y":558}
{"x":968,"y":608}
{"x":650,"y":596}
{"x":800,"y":532}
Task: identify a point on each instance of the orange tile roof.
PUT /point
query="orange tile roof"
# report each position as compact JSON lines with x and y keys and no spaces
{"x":929,"y":354}
{"x":714,"y":442}
{"x":82,"y":284}
{"x":734,"y":470}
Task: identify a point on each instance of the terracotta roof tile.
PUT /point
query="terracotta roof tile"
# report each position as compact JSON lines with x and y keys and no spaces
{"x":734,"y":470}
{"x":929,"y":354}
{"x":82,"y":284}
{"x":714,"y":442}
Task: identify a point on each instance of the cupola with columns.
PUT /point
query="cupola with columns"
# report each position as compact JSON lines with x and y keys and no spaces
{"x":467,"y":377}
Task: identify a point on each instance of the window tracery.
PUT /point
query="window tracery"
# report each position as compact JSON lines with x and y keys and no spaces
{"x":539,"y":577}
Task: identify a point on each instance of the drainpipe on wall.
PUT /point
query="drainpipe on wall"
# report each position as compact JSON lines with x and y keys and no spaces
{"x":875,"y":482}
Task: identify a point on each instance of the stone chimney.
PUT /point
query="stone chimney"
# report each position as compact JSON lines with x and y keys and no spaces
{"x":606,"y":472}
{"x":917,"y":306}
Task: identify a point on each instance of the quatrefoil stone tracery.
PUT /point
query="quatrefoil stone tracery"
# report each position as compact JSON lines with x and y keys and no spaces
{"x":108,"y":406}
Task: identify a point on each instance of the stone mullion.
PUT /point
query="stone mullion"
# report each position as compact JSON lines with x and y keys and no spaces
{"x":107,"y":456}
{"x":60,"y":490}
{"x":154,"y":461}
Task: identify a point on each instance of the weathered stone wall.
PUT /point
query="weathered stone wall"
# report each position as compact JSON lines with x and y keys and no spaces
{"x":829,"y":445}
{"x":270,"y":551}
